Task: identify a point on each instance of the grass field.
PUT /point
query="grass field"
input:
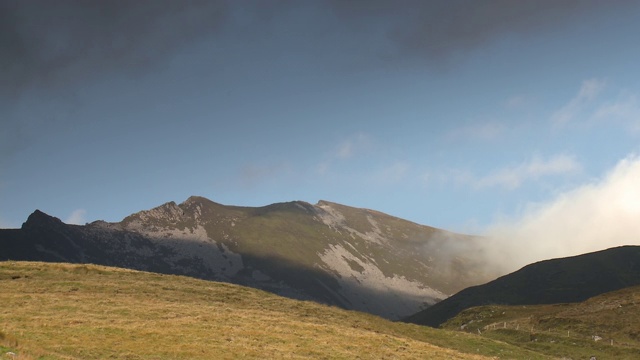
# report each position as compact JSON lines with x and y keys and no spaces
{"x":63,"y":311}
{"x":606,"y":326}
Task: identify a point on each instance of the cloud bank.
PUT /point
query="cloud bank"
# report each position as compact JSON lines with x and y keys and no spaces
{"x":434,"y":31}
{"x":602,"y":214}
{"x":45,"y":43}
{"x":77,"y":217}
{"x":513,"y":177}
{"x":589,"y":90}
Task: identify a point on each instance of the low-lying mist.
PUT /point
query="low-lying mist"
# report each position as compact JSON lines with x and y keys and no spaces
{"x":598,"y":215}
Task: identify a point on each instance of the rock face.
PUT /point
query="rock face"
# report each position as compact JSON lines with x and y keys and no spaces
{"x":353,"y":258}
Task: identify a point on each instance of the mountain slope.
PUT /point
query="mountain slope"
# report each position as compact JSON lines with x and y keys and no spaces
{"x":605,"y":326}
{"x":353,"y":258}
{"x":65,"y":311}
{"x":571,"y":279}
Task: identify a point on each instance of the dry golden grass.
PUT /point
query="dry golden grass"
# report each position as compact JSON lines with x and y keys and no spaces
{"x":62,"y":311}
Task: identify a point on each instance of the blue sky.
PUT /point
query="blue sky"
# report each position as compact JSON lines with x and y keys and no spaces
{"x":451,"y":114}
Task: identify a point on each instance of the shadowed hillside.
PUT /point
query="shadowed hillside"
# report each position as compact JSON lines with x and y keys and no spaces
{"x":606,"y":326}
{"x":571,"y":279}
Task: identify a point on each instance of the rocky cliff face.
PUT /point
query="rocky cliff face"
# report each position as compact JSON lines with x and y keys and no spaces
{"x":353,"y":258}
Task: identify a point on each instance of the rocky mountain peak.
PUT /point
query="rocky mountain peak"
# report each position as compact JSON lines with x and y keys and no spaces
{"x":196,"y":200}
{"x":324,"y":203}
{"x":168,"y":212}
{"x":40,"y":219}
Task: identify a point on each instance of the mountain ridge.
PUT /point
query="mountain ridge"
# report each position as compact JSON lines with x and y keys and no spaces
{"x":561,"y":280}
{"x":351,"y":257}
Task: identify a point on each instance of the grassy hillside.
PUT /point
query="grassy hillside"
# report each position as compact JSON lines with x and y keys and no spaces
{"x":63,"y":311}
{"x":606,"y":326}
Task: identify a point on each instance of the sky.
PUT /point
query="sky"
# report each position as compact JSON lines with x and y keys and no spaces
{"x":518,"y":119}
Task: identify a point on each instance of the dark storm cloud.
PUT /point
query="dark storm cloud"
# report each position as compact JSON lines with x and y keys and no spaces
{"x":48,"y":46}
{"x":45,"y":43}
{"x":434,"y":30}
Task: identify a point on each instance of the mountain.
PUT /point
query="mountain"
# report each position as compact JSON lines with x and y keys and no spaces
{"x":73,"y":311}
{"x":565,"y":280}
{"x":606,"y":326}
{"x":354,"y":258}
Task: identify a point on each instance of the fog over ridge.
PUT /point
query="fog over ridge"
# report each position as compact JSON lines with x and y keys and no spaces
{"x":601,"y":214}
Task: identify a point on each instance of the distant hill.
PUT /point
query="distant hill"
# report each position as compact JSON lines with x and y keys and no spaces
{"x":606,"y":326}
{"x":354,"y":258}
{"x":72,"y":311}
{"x":565,"y":280}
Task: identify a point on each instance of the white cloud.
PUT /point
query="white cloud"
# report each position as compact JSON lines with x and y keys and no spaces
{"x":393,"y":173}
{"x":77,"y":217}
{"x":625,"y":110}
{"x":355,"y":144}
{"x":323,"y":167}
{"x":481,"y":131}
{"x":345,"y":150}
{"x":594,"y":216}
{"x":251,"y":175}
{"x":589,"y":90}
{"x":513,"y":177}
{"x":458,"y":176}
{"x":517,"y":101}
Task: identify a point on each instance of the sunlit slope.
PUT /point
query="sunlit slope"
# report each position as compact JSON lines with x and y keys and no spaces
{"x":606,"y":326}
{"x":63,"y":311}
